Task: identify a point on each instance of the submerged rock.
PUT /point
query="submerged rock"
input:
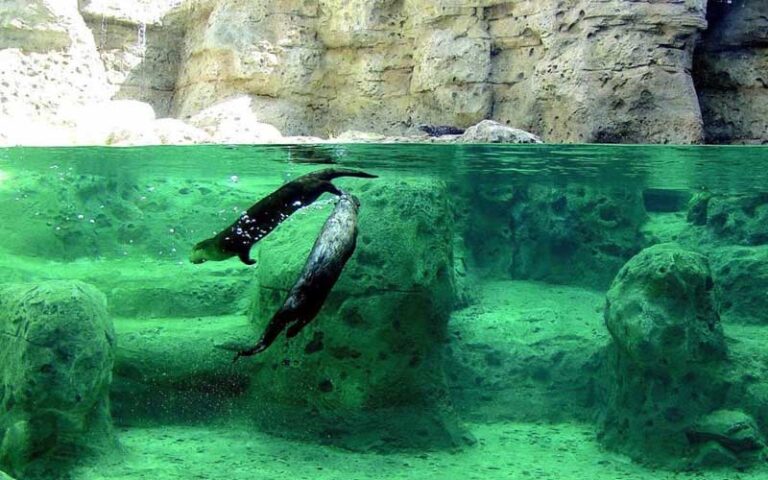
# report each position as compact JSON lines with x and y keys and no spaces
{"x":732,"y":429}
{"x":368,"y":372}
{"x":575,"y":234}
{"x":660,"y":310}
{"x":56,"y":355}
{"x":741,"y":275}
{"x":666,"y":352}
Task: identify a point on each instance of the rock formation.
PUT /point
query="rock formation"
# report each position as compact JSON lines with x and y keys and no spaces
{"x":730,"y":72}
{"x":56,"y":354}
{"x":667,"y":347}
{"x":573,"y":71}
{"x":572,"y":233}
{"x":368,"y":372}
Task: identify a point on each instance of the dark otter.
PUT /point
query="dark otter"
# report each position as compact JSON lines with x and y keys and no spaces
{"x":440,"y":130}
{"x":263,"y":217}
{"x":329,"y":254}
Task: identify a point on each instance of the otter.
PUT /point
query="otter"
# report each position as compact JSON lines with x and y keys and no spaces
{"x":326,"y":260}
{"x":440,"y":130}
{"x":264,"y":216}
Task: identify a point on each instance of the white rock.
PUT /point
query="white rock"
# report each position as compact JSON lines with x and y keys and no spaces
{"x":165,"y":131}
{"x":15,"y":131}
{"x":95,"y":124}
{"x":489,"y":131}
{"x":233,"y":121}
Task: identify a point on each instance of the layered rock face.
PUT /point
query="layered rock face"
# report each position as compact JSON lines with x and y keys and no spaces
{"x":569,"y":71}
{"x":583,"y":71}
{"x":730,"y":72}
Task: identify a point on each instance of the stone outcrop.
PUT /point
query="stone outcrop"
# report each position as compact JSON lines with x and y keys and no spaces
{"x":387,"y":66}
{"x":569,"y":234}
{"x":667,"y":349}
{"x":730,"y":72}
{"x":573,"y":71}
{"x":56,"y":354}
{"x":733,"y":231}
{"x":368,"y":371}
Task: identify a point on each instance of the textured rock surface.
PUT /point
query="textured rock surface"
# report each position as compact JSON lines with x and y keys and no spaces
{"x":57,"y":350}
{"x":732,"y":429}
{"x":489,"y":131}
{"x":741,"y":276}
{"x":368,"y":371}
{"x":569,"y":71}
{"x":730,"y":71}
{"x":732,"y":229}
{"x":667,"y":348}
{"x":49,"y":60}
{"x":386,"y":66}
{"x":540,"y":232}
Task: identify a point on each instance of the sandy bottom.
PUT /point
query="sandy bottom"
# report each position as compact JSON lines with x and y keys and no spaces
{"x":503,"y":451}
{"x":508,"y":314}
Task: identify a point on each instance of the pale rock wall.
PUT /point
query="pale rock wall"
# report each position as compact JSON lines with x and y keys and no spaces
{"x":49,"y":61}
{"x":571,"y":70}
{"x":566,"y":70}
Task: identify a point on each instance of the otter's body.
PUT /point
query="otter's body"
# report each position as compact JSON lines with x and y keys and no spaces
{"x":267,"y":214}
{"x":329,"y":255}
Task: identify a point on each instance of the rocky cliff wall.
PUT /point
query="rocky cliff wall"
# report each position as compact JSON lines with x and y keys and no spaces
{"x":731,"y":71}
{"x":568,"y":70}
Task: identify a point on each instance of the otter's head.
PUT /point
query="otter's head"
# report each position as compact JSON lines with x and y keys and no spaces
{"x":208,"y":250}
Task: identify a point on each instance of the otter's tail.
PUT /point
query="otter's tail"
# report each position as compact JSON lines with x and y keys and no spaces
{"x":330,"y":173}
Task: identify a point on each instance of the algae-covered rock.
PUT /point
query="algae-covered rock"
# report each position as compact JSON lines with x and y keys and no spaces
{"x":56,"y":355}
{"x":738,"y":219}
{"x":667,"y":347}
{"x":741,"y":275}
{"x":660,"y":310}
{"x":368,"y":371}
{"x":169,"y":369}
{"x":575,"y":234}
{"x":5,"y":476}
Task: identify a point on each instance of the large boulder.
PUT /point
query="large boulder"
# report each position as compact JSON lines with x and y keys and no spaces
{"x":56,"y":354}
{"x":667,"y":349}
{"x":368,"y":371}
{"x":489,"y":131}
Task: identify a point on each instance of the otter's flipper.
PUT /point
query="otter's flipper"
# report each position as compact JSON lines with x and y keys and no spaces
{"x":297,"y":326}
{"x":245,"y":256}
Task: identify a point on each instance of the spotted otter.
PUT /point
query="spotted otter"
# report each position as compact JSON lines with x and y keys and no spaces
{"x":264,"y":216}
{"x":330,"y":253}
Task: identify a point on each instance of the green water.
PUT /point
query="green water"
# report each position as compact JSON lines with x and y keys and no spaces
{"x":466,"y":338}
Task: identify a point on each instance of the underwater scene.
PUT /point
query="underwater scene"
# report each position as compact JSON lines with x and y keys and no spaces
{"x":363,"y":311}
